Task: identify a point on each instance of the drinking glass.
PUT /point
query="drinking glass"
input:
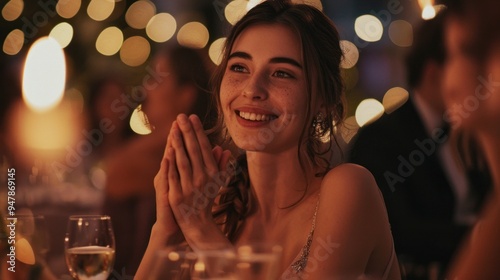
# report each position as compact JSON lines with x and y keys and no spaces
{"x":258,"y":261}
{"x":90,"y":247}
{"x":183,"y":263}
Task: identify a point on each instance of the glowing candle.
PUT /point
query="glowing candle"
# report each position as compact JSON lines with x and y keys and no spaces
{"x":44,"y":75}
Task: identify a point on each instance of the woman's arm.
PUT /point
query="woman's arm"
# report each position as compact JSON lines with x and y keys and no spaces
{"x":165,"y":230}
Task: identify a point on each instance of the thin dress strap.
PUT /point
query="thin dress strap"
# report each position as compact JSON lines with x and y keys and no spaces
{"x":389,"y":265}
{"x":299,"y":265}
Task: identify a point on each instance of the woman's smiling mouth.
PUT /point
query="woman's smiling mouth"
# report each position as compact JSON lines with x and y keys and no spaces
{"x":251,"y":116}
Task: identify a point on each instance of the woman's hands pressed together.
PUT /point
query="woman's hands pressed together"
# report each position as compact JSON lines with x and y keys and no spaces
{"x":190,"y":177}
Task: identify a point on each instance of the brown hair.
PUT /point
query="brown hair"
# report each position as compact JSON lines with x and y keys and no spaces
{"x":322,"y":55}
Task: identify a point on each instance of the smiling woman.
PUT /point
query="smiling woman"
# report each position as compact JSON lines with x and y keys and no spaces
{"x":279,"y":92}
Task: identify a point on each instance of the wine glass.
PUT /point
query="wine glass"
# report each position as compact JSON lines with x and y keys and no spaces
{"x":258,"y":261}
{"x":90,"y":247}
{"x":183,"y":263}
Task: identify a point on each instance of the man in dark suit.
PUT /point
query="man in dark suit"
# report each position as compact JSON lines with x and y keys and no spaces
{"x":428,"y":197}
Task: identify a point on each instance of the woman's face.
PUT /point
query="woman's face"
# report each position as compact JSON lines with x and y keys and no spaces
{"x":263,"y":92}
{"x":470,"y":90}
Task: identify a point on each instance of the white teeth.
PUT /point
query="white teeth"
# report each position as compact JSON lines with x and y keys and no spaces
{"x":255,"y":117}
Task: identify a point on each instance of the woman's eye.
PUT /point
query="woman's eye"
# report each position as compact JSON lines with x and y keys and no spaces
{"x":237,"y":68}
{"x":281,"y":74}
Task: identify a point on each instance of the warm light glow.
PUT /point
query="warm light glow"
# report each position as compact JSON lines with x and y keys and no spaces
{"x":253,"y":3}
{"x":173,"y":256}
{"x":24,"y":251}
{"x":63,"y":33}
{"x":48,"y":131}
{"x":351,"y":54}
{"x":13,"y":42}
{"x":428,"y":12}
{"x":215,"y":50}
{"x":109,"y":41}
{"x":368,"y":28}
{"x":139,"y":122}
{"x":439,"y":8}
{"x":394,"y":98}
{"x":161,"y":27}
{"x":193,"y":35}
{"x":401,"y":33}
{"x":135,"y":51}
{"x":100,"y":10}
{"x":139,"y":14}
{"x":199,"y":266}
{"x":44,"y":74}
{"x":423,"y":3}
{"x":235,"y":10}
{"x":68,"y":8}
{"x":12,"y":10}
{"x":368,"y":111}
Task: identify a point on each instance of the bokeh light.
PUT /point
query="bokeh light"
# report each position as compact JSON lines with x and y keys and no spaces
{"x":139,"y":122}
{"x":13,"y":42}
{"x":135,"y":51}
{"x":109,"y":41}
{"x":68,"y":8}
{"x":44,"y":75}
{"x":139,"y":14}
{"x":394,"y":98}
{"x":368,"y":28}
{"x":428,"y":12}
{"x":100,"y":10}
{"x":351,"y":54}
{"x":253,"y":3}
{"x":235,"y":10}
{"x":12,"y":10}
{"x":161,"y":27}
{"x":193,"y":34}
{"x":215,"y":50}
{"x":63,"y":33}
{"x":401,"y":33}
{"x":368,"y":111}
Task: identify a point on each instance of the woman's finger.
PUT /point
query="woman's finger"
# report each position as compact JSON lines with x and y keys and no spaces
{"x":175,"y":188}
{"x":205,"y":146}
{"x":191,"y":144}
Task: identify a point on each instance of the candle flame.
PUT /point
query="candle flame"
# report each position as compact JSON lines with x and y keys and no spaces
{"x":44,"y":75}
{"x":428,"y":12}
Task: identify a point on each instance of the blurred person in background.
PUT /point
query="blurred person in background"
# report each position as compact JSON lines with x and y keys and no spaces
{"x":472,"y":97}
{"x":181,"y":87}
{"x":105,"y":92}
{"x":430,"y":200}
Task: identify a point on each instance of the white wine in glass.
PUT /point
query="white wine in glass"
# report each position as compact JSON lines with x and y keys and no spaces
{"x":90,"y":247}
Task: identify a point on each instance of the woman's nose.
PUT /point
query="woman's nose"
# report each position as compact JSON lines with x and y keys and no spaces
{"x":256,"y":87}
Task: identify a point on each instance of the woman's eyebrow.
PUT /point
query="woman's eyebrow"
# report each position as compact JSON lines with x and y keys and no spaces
{"x":279,"y":59}
{"x":243,"y":55}
{"x":287,"y":60}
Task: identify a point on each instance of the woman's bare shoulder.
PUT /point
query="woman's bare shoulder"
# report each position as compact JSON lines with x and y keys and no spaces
{"x":349,"y":190}
{"x":350,"y":177}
